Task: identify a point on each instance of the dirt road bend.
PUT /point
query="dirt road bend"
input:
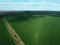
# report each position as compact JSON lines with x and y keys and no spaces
{"x":13,"y":34}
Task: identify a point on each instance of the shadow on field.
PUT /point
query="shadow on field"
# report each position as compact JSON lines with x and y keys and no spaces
{"x":15,"y":18}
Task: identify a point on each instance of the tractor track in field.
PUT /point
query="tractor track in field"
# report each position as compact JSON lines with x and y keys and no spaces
{"x":13,"y":34}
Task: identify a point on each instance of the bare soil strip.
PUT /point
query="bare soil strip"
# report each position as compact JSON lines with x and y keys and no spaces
{"x":13,"y":34}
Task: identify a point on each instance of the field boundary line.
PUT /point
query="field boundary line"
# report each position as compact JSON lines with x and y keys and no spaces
{"x":12,"y":33}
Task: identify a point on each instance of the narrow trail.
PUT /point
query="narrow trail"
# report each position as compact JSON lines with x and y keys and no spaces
{"x":13,"y":34}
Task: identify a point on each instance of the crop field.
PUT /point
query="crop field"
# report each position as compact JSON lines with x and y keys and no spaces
{"x":5,"y":38}
{"x":37,"y":31}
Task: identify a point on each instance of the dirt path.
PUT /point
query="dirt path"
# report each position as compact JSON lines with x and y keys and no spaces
{"x":13,"y":34}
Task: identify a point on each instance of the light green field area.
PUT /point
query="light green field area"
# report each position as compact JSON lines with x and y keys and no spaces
{"x":38,"y":31}
{"x":5,"y":38}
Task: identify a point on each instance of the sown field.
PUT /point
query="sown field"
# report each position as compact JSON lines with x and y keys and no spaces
{"x":5,"y":38}
{"x":38,"y":31}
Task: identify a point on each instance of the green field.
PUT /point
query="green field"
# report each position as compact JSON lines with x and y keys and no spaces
{"x":38,"y":31}
{"x":5,"y":38}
